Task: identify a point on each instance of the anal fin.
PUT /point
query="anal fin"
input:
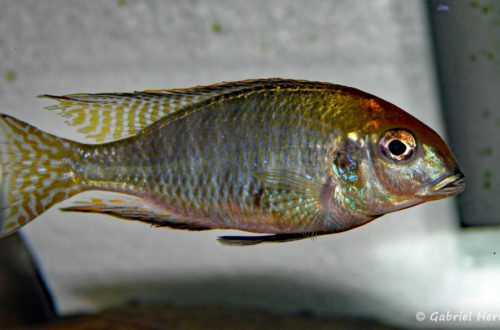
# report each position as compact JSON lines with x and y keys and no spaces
{"x":135,"y":208}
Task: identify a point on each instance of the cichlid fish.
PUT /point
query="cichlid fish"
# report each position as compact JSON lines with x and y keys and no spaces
{"x":286,"y":157}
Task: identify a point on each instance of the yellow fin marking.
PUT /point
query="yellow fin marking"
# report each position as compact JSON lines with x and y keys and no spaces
{"x":10,"y":224}
{"x":22,"y":220}
{"x":78,"y":120}
{"x":13,"y":211}
{"x":98,"y":137}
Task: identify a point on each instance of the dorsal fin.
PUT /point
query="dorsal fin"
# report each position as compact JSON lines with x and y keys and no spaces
{"x":106,"y":117}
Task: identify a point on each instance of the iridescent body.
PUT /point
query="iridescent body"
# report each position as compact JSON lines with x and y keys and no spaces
{"x":273,"y":156}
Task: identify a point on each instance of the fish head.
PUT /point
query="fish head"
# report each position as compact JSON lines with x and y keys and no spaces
{"x":409,"y":162}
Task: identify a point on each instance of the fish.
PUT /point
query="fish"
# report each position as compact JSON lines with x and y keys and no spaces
{"x":289,"y":159}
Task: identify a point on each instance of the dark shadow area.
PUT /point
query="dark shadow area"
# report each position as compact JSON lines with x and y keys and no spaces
{"x":160,"y":316}
{"x":278,"y":292}
{"x":272,"y":301}
{"x":23,"y":298}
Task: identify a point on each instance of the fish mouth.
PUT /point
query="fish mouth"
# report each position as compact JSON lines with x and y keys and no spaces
{"x":450,"y":185}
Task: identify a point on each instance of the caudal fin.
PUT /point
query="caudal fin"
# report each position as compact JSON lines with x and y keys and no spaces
{"x":35,"y":173}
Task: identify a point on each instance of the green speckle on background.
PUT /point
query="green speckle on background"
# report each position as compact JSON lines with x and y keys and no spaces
{"x":485,"y":9}
{"x":487,"y":54}
{"x":10,"y":76}
{"x":487,"y":151}
{"x":216,"y":27}
{"x":487,"y":185}
{"x":486,"y":113}
{"x":474,"y":4}
{"x":312,"y":37}
{"x":487,"y":174}
{"x":121,"y":2}
{"x":473,"y":57}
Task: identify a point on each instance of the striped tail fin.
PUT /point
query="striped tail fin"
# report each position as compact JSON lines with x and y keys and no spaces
{"x":35,"y":173}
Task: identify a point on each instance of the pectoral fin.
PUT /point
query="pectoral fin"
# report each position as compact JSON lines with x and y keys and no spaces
{"x":298,"y":199}
{"x":135,"y":208}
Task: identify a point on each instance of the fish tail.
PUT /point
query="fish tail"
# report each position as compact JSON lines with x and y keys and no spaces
{"x":35,"y":172}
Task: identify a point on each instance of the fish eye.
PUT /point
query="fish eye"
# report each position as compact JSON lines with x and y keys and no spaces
{"x":398,"y":145}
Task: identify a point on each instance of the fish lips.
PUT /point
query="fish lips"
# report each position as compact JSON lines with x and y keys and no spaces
{"x":448,"y":185}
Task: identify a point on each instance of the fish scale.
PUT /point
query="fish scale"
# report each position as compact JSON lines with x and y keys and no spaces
{"x":193,"y":152}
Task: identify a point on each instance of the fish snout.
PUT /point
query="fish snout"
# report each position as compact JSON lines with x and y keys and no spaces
{"x":450,"y":185}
